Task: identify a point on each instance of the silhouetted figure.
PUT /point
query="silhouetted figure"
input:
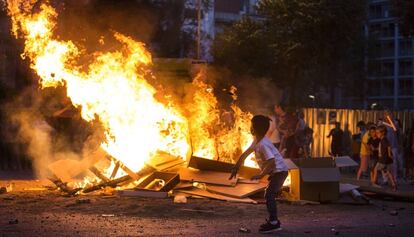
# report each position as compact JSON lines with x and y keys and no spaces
{"x":337,"y":137}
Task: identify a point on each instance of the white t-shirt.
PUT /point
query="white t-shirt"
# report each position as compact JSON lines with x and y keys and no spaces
{"x":273,"y":133}
{"x":265,"y":150}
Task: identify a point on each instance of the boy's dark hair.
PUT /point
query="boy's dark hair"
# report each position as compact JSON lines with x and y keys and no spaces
{"x":260,"y":125}
{"x":372,"y":127}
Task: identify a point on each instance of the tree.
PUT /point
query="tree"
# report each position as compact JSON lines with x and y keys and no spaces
{"x":302,"y":44}
{"x":404,"y":10}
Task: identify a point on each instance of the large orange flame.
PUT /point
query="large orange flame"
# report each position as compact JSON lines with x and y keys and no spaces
{"x":112,"y":87}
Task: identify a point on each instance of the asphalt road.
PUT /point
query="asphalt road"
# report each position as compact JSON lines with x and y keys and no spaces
{"x":48,"y":213}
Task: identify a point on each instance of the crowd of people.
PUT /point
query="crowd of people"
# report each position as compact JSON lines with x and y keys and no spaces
{"x":382,"y":148}
{"x":384,"y":151}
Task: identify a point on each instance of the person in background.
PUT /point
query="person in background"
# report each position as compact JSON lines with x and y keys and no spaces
{"x":373,"y":144}
{"x":347,"y":141}
{"x":301,"y":124}
{"x":304,"y":141}
{"x":287,"y":124}
{"x":393,"y":141}
{"x":364,"y":154}
{"x":400,"y":149}
{"x":336,"y":143}
{"x":362,"y":128}
{"x":385,"y":158}
{"x":273,"y":134}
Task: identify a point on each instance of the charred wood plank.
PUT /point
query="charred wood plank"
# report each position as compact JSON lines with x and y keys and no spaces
{"x":98,"y":173}
{"x":119,"y":181}
{"x":111,"y":183}
{"x":62,"y":186}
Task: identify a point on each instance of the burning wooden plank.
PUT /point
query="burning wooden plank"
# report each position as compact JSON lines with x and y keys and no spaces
{"x":62,"y":186}
{"x":98,"y":173}
{"x":119,"y":181}
{"x":123,"y":167}
{"x":111,"y":183}
{"x":115,"y":170}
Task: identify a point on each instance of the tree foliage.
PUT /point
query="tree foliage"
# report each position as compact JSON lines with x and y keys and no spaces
{"x":404,"y":9}
{"x":300,"y":44}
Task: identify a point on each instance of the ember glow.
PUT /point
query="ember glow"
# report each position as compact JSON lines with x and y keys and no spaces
{"x":112,"y":87}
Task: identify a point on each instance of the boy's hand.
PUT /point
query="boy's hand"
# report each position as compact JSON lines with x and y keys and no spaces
{"x":234,"y":172}
{"x":257,"y":177}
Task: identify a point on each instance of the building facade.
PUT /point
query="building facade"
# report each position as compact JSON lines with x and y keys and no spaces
{"x":390,"y":65}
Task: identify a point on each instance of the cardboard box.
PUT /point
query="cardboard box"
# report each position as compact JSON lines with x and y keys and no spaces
{"x":170,"y":180}
{"x":315,"y":179}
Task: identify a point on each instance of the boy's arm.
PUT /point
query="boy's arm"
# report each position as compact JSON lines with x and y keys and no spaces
{"x":269,"y":165}
{"x":240,"y":161}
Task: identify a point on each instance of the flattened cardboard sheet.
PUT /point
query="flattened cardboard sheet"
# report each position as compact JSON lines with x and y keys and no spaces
{"x":209,"y":177}
{"x":204,"y":193}
{"x":238,"y":191}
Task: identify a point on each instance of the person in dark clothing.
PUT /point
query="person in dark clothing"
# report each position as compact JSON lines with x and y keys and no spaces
{"x":288,"y":123}
{"x":385,"y":158}
{"x":337,"y":136}
{"x":373,"y":144}
{"x":347,"y":141}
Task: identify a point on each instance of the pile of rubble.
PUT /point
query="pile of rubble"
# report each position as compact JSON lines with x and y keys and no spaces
{"x":314,"y":180}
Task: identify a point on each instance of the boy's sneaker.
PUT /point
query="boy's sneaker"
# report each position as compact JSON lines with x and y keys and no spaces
{"x":269,"y":227}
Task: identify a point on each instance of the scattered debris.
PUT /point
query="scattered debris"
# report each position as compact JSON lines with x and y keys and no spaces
{"x":394,"y":213}
{"x":108,"y":215}
{"x":244,"y":230}
{"x":209,"y":177}
{"x":198,"y":210}
{"x":14,"y":222}
{"x":159,"y":181}
{"x":183,"y":185}
{"x":335,"y":231}
{"x":83,"y":200}
{"x":238,"y":191}
{"x":205,"y":193}
{"x":3,"y":190}
{"x":180,"y":198}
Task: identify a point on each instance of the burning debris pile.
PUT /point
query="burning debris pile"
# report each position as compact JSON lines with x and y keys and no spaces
{"x":139,"y":131}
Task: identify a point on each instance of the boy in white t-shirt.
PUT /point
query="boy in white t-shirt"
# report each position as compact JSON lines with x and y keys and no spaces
{"x":271,"y":163}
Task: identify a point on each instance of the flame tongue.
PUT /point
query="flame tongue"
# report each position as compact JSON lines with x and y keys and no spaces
{"x":113,"y":88}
